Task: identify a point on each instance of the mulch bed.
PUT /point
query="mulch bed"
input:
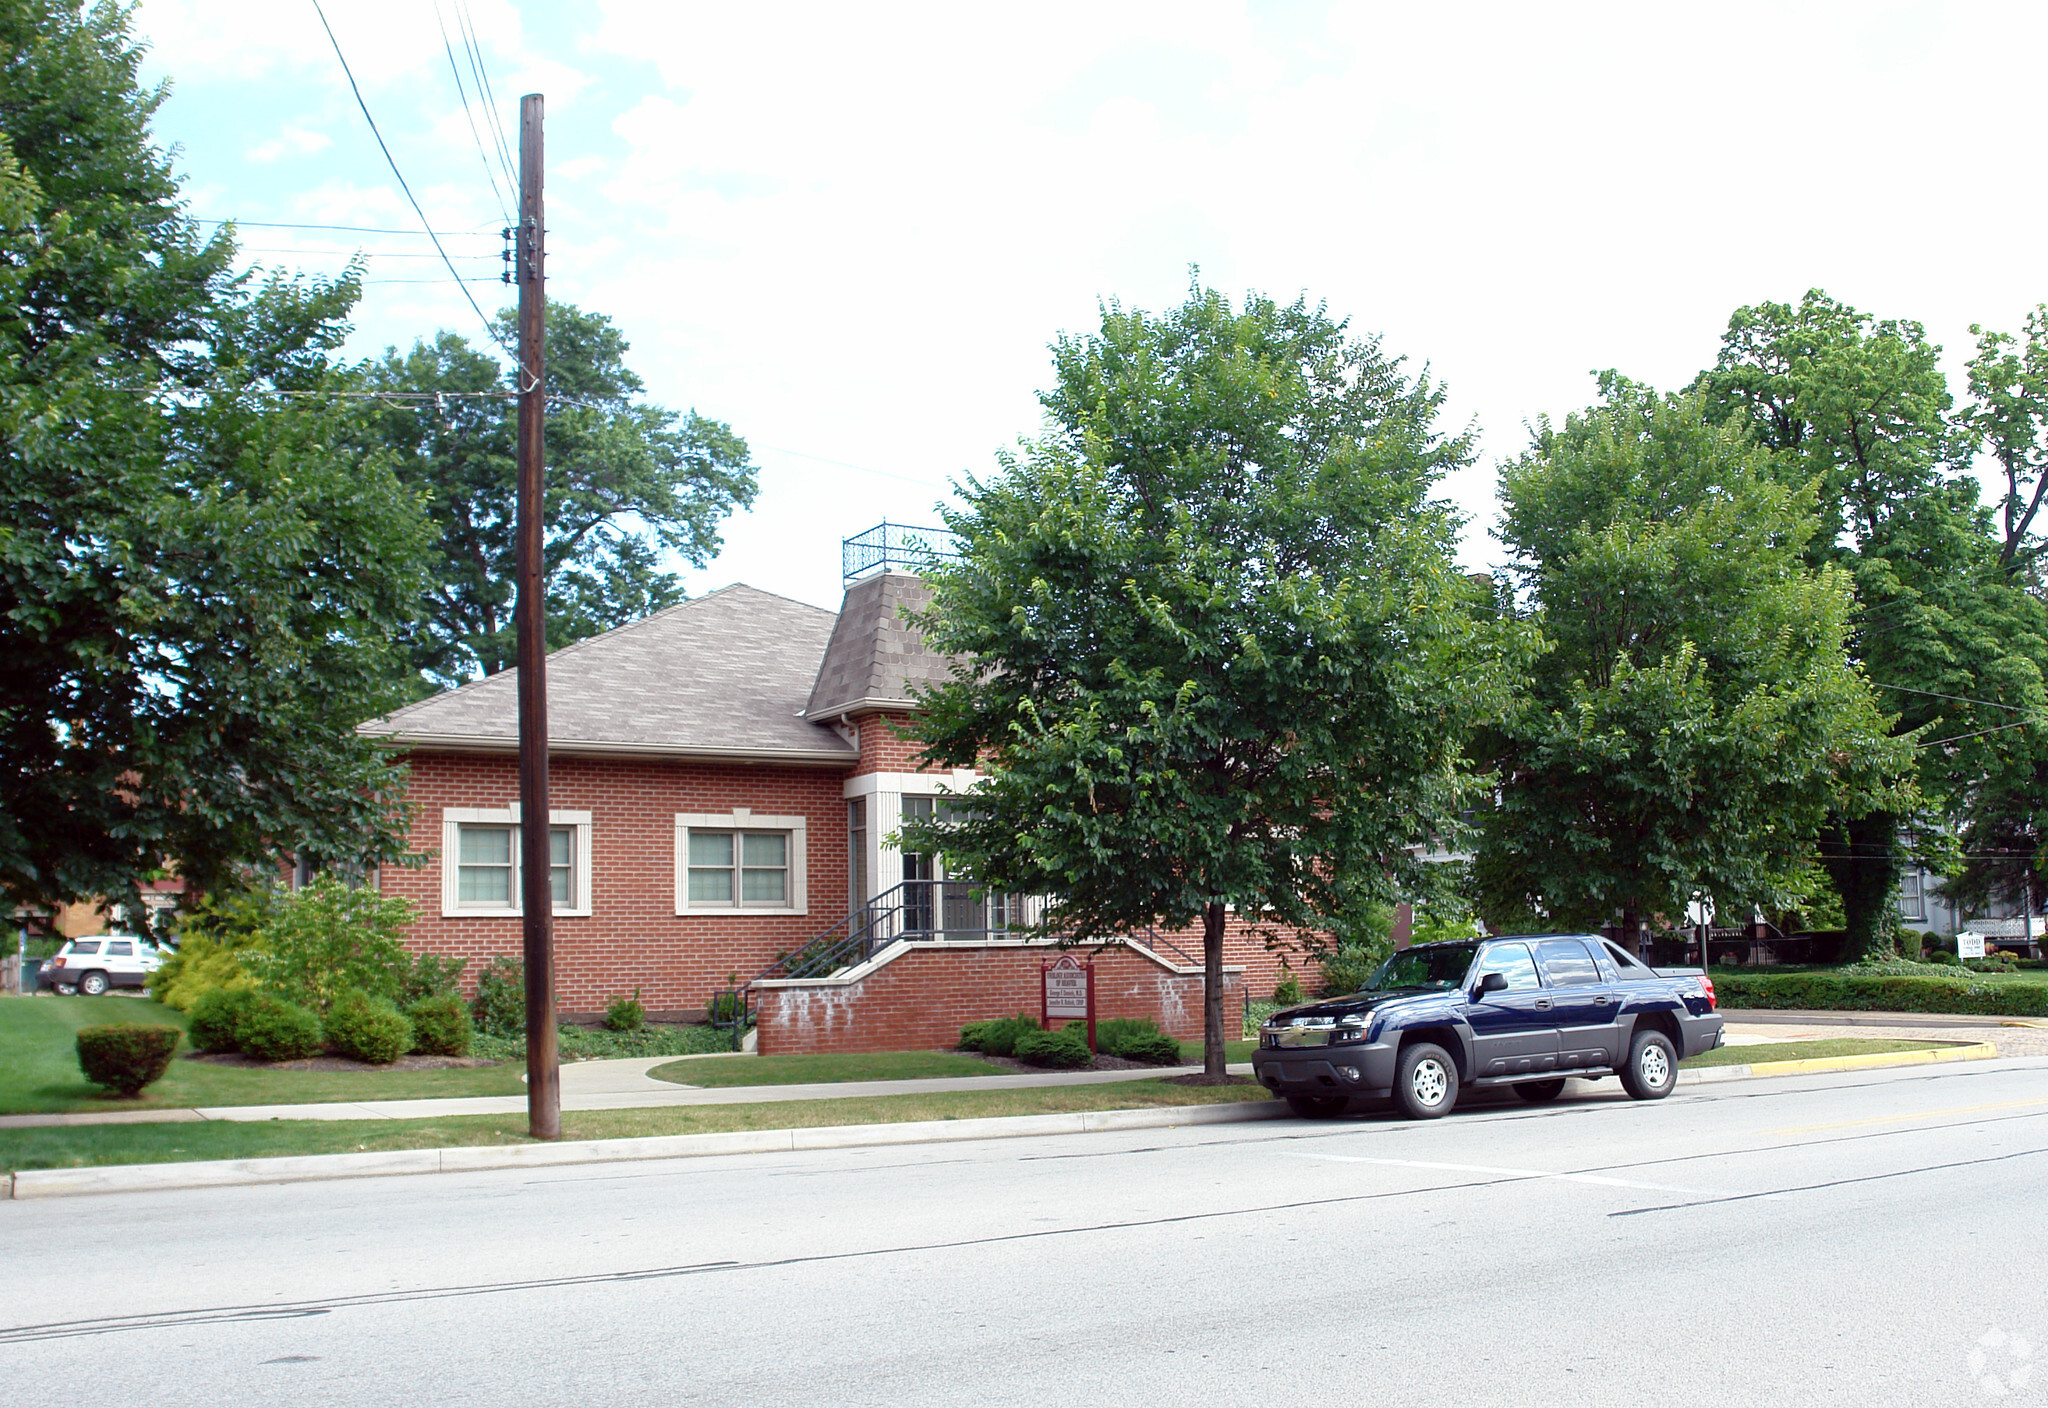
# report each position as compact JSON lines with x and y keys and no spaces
{"x":1100,"y":1063}
{"x":339,"y":1063}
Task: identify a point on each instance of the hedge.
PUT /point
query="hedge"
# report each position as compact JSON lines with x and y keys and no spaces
{"x":126,"y":1056}
{"x":1835,"y":992}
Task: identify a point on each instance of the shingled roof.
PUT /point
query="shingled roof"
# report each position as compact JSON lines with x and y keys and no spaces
{"x":875,"y":656}
{"x":723,"y":676}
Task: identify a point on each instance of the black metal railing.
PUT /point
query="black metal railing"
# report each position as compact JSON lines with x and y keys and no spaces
{"x":894,"y":545}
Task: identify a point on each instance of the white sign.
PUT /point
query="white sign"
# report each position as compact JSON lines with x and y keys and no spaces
{"x":1969,"y":945}
{"x":1066,"y":989}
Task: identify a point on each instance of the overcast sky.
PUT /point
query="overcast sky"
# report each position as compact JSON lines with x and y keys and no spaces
{"x":851,"y":231}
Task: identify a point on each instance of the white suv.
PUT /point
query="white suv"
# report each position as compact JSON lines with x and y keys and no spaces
{"x":93,"y":965}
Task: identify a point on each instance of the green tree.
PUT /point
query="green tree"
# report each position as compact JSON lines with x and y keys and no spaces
{"x":1696,"y":719}
{"x":1951,"y":636}
{"x":2008,"y":418}
{"x":197,"y":589}
{"x":1218,"y":653}
{"x":626,"y":482}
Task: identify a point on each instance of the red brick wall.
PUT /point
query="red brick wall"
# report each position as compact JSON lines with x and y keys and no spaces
{"x":1244,"y":945}
{"x":921,"y":999}
{"x":883,"y":749}
{"x":633,"y":937}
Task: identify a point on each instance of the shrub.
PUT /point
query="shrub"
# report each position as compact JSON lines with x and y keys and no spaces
{"x":1067,"y":1049}
{"x":272,"y":1029}
{"x":997,"y":1036}
{"x":500,"y":1003}
{"x":1346,"y":969}
{"x":1136,"y":1039}
{"x":1943,"y":956}
{"x":328,"y":939}
{"x":1952,"y":991}
{"x":625,"y":1014}
{"x":1287,"y":992}
{"x":212,"y":938}
{"x":367,"y":1028}
{"x":126,"y":1056}
{"x":430,"y":975}
{"x":722,"y":1007}
{"x":440,"y":1026}
{"x":217,"y":1017}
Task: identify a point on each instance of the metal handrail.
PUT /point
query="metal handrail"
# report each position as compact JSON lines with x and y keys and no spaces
{"x":894,"y":545}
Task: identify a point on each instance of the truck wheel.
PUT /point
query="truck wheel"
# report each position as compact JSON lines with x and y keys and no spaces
{"x":1426,"y":1083}
{"x":93,"y":984}
{"x":1319,"y":1107}
{"x":1652,"y":1068}
{"x":1540,"y":1092}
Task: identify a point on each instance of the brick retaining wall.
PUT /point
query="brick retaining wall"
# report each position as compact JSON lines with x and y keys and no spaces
{"x":918,"y":998}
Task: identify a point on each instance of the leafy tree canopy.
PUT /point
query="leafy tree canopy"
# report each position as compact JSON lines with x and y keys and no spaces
{"x":197,"y":586}
{"x":1946,"y":628}
{"x":627,"y":483}
{"x":1696,"y":719}
{"x":1216,"y":650}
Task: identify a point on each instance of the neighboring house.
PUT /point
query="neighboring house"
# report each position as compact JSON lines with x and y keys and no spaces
{"x":725,"y":780}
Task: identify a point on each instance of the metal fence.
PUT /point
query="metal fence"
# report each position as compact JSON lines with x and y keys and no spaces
{"x":889,"y":545}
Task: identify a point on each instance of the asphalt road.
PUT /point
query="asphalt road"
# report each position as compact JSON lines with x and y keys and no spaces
{"x":1872,"y":1238}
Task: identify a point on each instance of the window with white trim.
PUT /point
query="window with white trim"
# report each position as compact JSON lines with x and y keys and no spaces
{"x":481,"y":860}
{"x":1912,"y":902}
{"x":736,"y":862}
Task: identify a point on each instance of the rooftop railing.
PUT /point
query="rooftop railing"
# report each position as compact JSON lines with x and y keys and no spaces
{"x":894,"y":545}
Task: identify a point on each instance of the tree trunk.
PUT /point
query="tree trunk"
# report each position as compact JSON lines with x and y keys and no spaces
{"x":1212,"y":989}
{"x":1632,"y":931}
{"x":1861,"y":856}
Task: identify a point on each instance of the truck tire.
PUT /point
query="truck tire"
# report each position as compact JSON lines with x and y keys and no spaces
{"x":1540,"y":1092}
{"x":1426,"y":1082}
{"x":93,"y":984}
{"x":1652,"y":1068}
{"x":1319,"y":1107}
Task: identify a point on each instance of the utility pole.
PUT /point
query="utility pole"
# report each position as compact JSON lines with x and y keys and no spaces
{"x":536,"y":881}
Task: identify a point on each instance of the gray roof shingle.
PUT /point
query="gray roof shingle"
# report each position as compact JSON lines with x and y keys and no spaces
{"x":725,"y":675}
{"x":875,"y":655}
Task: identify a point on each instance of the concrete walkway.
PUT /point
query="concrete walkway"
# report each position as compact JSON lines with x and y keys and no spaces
{"x":606,"y":1085}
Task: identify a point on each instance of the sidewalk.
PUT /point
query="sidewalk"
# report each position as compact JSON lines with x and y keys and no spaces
{"x":605,"y":1085}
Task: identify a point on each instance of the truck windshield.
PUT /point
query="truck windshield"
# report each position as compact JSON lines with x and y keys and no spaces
{"x":1432,"y":967}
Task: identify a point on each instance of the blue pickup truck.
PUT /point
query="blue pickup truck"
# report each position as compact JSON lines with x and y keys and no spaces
{"x":1523,"y":1010}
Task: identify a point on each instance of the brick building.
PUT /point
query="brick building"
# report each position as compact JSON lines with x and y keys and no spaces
{"x":726,"y":780}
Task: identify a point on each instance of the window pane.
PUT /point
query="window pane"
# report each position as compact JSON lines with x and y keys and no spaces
{"x":711,"y":848}
{"x":120,"y":950}
{"x":765,"y":849}
{"x":484,"y":884}
{"x":1567,"y":962}
{"x":710,"y":886}
{"x":1511,"y":960}
{"x":486,"y":845}
{"x":857,"y":813}
{"x":558,"y":845}
{"x":761,"y":886}
{"x":86,"y":946}
{"x":558,"y":884}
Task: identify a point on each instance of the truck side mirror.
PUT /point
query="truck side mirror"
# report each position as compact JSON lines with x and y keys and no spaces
{"x":1493,"y":982}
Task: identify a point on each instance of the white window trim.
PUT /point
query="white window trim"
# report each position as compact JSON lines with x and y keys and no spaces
{"x":743,"y":819}
{"x":453,"y":818}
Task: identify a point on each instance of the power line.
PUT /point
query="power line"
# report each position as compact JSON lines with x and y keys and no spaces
{"x":402,"y":185}
{"x":492,"y":119}
{"x":351,"y":229}
{"x":365,"y":253}
{"x":1987,"y":703}
{"x":469,"y":113}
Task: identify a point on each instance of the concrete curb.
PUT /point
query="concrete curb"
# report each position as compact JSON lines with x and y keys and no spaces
{"x":138,"y":1178}
{"x":1707,"y":1075}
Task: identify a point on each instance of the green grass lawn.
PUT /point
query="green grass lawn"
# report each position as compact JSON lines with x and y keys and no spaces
{"x":169,"y":1143}
{"x":1947,"y":972}
{"x":39,"y":1067}
{"x":1805,"y":1050}
{"x":823,"y":1068}
{"x":1233,"y":1051}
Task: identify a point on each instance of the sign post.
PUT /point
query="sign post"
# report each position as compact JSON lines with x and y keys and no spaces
{"x":1067,"y":990}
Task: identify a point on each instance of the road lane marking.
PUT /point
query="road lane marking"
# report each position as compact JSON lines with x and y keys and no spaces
{"x":1901,"y":1119}
{"x":1593,"y":1178}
